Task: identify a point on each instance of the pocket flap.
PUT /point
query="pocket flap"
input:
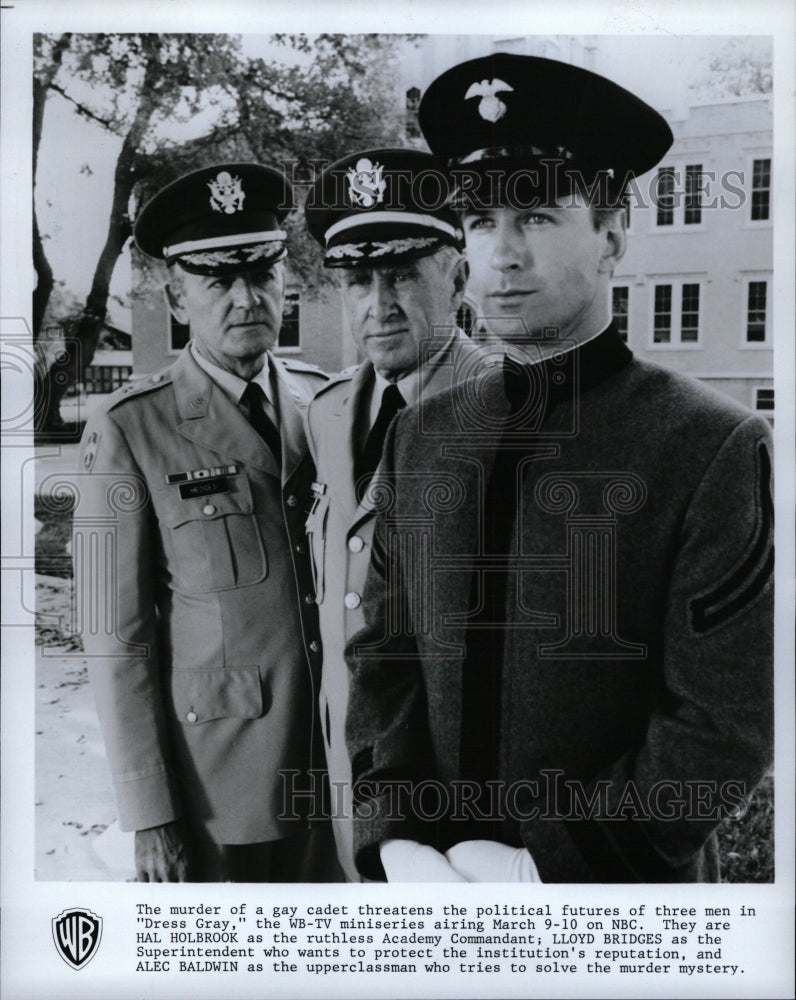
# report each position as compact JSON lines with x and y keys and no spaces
{"x":174,"y":511}
{"x":216,"y":693}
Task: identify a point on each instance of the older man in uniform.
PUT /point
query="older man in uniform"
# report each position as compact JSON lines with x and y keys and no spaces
{"x":571,"y":660}
{"x":204,"y":654}
{"x":401,"y":279}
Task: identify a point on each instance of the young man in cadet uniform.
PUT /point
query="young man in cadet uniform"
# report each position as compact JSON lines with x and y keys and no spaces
{"x":572,"y":660}
{"x":204,"y":655}
{"x":401,"y":279}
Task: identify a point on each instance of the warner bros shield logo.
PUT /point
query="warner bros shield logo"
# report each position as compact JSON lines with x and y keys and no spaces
{"x":77,"y":935}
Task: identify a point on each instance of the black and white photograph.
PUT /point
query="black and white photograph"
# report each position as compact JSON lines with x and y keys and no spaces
{"x":396,"y":420}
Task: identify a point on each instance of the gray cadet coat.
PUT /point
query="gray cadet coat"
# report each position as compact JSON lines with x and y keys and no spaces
{"x":340,"y":532}
{"x":630,"y":702}
{"x":197,"y":608}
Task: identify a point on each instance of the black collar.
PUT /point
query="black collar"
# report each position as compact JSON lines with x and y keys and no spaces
{"x":556,"y":378}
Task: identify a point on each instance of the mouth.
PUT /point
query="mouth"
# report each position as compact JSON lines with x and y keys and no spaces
{"x":386,"y":334}
{"x":509,"y":294}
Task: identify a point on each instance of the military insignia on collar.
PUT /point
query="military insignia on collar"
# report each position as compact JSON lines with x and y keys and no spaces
{"x":490,"y":108}
{"x":365,"y":183}
{"x":226,"y":193}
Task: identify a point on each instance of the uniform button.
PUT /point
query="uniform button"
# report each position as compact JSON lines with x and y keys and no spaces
{"x":352,"y":600}
{"x":300,"y":547}
{"x":292,"y":500}
{"x":315,"y":647}
{"x":191,"y":717}
{"x":309,"y":598}
{"x":355,"y":544}
{"x":156,"y":378}
{"x":208,"y":509}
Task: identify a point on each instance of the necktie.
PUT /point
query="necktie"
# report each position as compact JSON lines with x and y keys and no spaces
{"x":254,"y":397}
{"x":391,"y":402}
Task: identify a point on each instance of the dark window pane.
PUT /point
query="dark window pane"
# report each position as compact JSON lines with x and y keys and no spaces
{"x":664,"y":196}
{"x":689,"y":325}
{"x":756,"y":312}
{"x":619,"y":298}
{"x":764,"y":399}
{"x":662,"y":322}
{"x":693,"y":194}
{"x":761,"y":189}
{"x":289,"y":334}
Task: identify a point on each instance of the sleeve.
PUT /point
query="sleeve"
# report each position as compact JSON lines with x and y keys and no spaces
{"x":386,"y":724}
{"x":710,"y":735}
{"x":114,"y":542}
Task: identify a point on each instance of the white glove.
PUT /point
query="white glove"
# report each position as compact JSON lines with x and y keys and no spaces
{"x":489,"y":861}
{"x":408,"y":861}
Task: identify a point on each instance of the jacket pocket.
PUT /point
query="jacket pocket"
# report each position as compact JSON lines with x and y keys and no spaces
{"x":201,"y":695}
{"x":316,"y":535}
{"x":215,"y":539}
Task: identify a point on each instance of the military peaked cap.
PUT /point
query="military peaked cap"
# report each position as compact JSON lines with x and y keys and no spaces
{"x":505,"y":112}
{"x":381,"y":206}
{"x":218,"y":219}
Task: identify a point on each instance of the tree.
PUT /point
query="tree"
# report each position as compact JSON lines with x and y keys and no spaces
{"x":741,"y":68}
{"x":266,"y":110}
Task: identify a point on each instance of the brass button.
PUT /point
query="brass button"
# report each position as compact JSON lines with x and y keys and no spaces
{"x":191,"y":717}
{"x":300,"y":547}
{"x":355,"y":544}
{"x":309,"y":598}
{"x":208,"y":509}
{"x":352,"y":600}
{"x":315,"y":646}
{"x":292,"y":500}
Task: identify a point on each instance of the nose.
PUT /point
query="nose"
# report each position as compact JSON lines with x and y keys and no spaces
{"x":509,"y":249}
{"x":383,"y":303}
{"x":245,"y":293}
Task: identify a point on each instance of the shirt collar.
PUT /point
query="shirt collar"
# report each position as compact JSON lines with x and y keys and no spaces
{"x":230,"y":383}
{"x":410,"y":384}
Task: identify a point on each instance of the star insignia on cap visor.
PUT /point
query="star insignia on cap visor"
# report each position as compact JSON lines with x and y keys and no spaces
{"x":226,"y":193}
{"x":365,"y":183}
{"x":490,"y":107}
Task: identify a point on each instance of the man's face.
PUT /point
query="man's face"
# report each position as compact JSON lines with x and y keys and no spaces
{"x":234,"y":318}
{"x":392,"y":310}
{"x":538,"y":269}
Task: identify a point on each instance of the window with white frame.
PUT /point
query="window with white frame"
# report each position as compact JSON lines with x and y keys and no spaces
{"x":620,"y":301}
{"x":756,"y":311}
{"x":760,"y":202}
{"x":290,"y":331}
{"x":763,"y":401}
{"x":678,"y":196}
{"x":675,"y":313}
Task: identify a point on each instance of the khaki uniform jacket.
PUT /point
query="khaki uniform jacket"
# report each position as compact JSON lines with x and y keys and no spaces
{"x":340,"y":533}
{"x":634,"y":692}
{"x":196,"y":601}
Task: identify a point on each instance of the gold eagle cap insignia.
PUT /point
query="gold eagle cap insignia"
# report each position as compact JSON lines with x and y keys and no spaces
{"x":490,"y":107}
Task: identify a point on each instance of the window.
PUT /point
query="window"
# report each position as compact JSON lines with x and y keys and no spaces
{"x":761,"y":189}
{"x":465,"y":318}
{"x":674,"y":205}
{"x":289,"y":333}
{"x":764,"y":400}
{"x":413,"y":99}
{"x":105,"y":378}
{"x":664,"y":196}
{"x":620,"y":296}
{"x":675,"y":318}
{"x":179,"y":335}
{"x":756,"y":298}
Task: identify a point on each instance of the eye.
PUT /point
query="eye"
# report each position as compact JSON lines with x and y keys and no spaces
{"x":535,"y":219}
{"x":399,"y":277}
{"x":220,"y":282}
{"x":475,"y":222}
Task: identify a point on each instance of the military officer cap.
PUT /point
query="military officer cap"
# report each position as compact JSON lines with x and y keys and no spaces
{"x":381,"y":206}
{"x":506,"y":112}
{"x":218,"y":219}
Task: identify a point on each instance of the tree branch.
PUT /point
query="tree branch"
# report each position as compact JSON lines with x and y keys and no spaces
{"x":82,"y":109}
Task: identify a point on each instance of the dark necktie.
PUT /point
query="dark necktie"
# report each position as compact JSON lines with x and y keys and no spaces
{"x":391,"y":402}
{"x":254,"y":397}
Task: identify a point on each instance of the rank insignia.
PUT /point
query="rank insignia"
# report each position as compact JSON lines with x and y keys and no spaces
{"x":490,"y":108}
{"x":366,"y":184}
{"x":188,"y":477}
{"x":226,"y":193}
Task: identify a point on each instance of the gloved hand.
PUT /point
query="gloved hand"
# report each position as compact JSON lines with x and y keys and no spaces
{"x":408,"y":861}
{"x":489,"y":861}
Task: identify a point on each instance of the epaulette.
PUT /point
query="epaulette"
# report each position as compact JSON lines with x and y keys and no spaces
{"x":341,"y":378}
{"x":303,"y":367}
{"x":137,"y":387}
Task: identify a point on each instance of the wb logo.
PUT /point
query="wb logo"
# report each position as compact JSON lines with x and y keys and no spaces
{"x":77,"y":935}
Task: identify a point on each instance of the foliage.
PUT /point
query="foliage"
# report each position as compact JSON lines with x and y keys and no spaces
{"x":742,"y":67}
{"x":330,"y":92}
